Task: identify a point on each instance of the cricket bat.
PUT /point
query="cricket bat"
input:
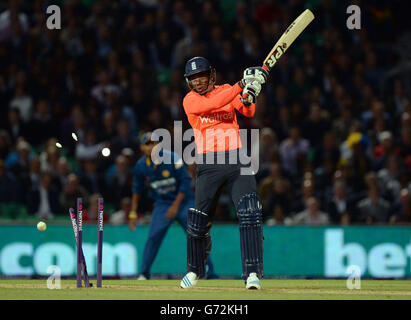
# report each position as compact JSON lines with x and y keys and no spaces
{"x":286,"y":39}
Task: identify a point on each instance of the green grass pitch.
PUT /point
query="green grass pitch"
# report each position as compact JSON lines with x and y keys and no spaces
{"x":272,"y":289}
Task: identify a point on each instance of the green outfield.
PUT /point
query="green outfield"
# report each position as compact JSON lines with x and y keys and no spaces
{"x":207,"y":290}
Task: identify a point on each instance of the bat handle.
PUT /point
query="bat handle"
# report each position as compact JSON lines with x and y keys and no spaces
{"x":245,"y":96}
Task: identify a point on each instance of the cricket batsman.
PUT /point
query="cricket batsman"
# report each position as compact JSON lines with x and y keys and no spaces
{"x":172,"y":194}
{"x":210,"y":109}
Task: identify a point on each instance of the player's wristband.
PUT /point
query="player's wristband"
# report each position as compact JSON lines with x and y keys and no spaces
{"x":241,"y":83}
{"x":246,"y":103}
{"x":132,"y":215}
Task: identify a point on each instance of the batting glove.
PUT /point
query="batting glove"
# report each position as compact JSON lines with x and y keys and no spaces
{"x":250,"y":93}
{"x":255,"y":74}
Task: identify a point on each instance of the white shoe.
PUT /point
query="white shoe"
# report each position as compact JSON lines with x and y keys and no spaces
{"x":189,"y":280}
{"x":253,"y":282}
{"x":141,"y":277}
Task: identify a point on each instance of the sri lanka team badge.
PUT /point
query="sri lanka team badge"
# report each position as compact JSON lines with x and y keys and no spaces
{"x":165,"y":173}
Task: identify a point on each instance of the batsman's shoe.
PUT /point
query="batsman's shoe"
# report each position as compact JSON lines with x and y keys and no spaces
{"x":189,"y":280}
{"x":141,"y":277}
{"x":253,"y":283}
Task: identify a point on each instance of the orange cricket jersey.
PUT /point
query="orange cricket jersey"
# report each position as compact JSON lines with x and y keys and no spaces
{"x":213,"y":118}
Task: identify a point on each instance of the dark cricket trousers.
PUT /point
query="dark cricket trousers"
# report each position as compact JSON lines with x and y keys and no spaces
{"x":211,"y":178}
{"x":210,"y":181}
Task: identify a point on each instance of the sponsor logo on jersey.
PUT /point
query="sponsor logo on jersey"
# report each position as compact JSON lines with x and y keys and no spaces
{"x":162,"y":183}
{"x":220,"y":116}
{"x":165,"y":173}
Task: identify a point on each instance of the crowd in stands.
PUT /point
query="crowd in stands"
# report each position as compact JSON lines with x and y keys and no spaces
{"x":334,"y":117}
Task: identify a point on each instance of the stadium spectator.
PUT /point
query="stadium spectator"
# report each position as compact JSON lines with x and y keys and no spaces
{"x":315,"y":126}
{"x":278,"y":217}
{"x":89,"y":149}
{"x":10,"y":18}
{"x":5,"y":144}
{"x":35,"y":173}
{"x":43,"y":200}
{"x":405,"y":143}
{"x":22,"y":102}
{"x":121,"y":216}
{"x":290,"y":149}
{"x":398,"y":100}
{"x":389,"y":180}
{"x":71,"y":192}
{"x":383,"y":149}
{"x":312,"y":215}
{"x":340,"y":206}
{"x":268,"y":148}
{"x":123,"y":138}
{"x":268,"y":12}
{"x":74,"y":122}
{"x":49,"y":157}
{"x":359,"y":160}
{"x":403,"y":216}
{"x":60,"y":177}
{"x":307,"y":191}
{"x":90,"y":178}
{"x":406,"y":117}
{"x":327,"y":149}
{"x":20,"y":166}
{"x":274,"y":191}
{"x":266,"y":186}
{"x":42,"y":123}
{"x":342,"y":124}
{"x":278,"y":200}
{"x":377,"y":113}
{"x":119,"y":181}
{"x":109,"y":126}
{"x":15,"y":126}
{"x":281,"y":99}
{"x":8,"y":185}
{"x":373,"y":208}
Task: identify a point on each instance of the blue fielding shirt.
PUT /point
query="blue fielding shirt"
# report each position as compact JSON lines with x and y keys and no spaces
{"x":165,"y":180}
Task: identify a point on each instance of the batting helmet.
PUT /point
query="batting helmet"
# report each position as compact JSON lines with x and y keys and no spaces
{"x":196,"y":65}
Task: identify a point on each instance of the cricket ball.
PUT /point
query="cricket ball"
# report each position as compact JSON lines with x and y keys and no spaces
{"x":41,"y":226}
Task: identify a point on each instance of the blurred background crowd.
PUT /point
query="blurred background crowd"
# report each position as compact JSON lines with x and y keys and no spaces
{"x":334,"y":118}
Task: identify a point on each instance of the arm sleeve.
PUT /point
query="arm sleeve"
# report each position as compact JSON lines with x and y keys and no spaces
{"x":247,"y":111}
{"x":197,"y":104}
{"x":138,"y":180}
{"x":182,"y":176}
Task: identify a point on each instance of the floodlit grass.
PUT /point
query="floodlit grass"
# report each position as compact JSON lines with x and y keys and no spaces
{"x":207,"y":290}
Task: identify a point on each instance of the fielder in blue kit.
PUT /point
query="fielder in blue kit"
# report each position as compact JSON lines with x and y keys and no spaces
{"x":170,"y":185}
